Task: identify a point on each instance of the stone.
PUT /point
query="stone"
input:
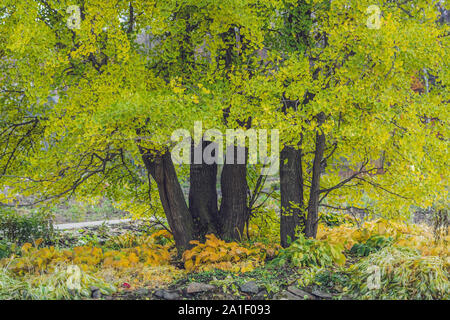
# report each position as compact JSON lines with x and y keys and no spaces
{"x":301,"y":293}
{"x":286,"y":295}
{"x":93,"y":288}
{"x":250,"y":287}
{"x":197,"y":287}
{"x":159,"y":293}
{"x":142,"y":292}
{"x":95,"y":293}
{"x":166,"y":295}
{"x":262,"y":295}
{"x":322,"y":294}
{"x":171,"y":295}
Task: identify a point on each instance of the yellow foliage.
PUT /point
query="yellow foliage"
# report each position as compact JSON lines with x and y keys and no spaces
{"x":146,"y":264}
{"x":131,"y":240}
{"x":26,"y":247}
{"x":230,"y":256}
{"x":162,"y":234}
{"x":414,"y":236}
{"x":34,"y":260}
{"x":142,"y":276}
{"x":38,"y":242}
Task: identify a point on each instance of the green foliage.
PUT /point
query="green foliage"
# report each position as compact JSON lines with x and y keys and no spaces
{"x":7,"y":248}
{"x":332,"y":280}
{"x":206,"y":276}
{"x":294,"y":33}
{"x":52,"y":286}
{"x":113,"y":90}
{"x":441,"y":223}
{"x":333,"y":219}
{"x":91,"y":240}
{"x":227,"y":285}
{"x":404,"y":274}
{"x":21,"y":228}
{"x":12,"y":288}
{"x":309,"y":252}
{"x":265,"y":224}
{"x":373,"y":244}
{"x":271,"y":278}
{"x":133,"y":239}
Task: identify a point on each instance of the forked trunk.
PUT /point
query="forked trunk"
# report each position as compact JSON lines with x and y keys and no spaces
{"x":177,"y":213}
{"x":313,"y":204}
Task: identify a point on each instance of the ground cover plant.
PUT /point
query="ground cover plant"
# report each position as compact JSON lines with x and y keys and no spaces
{"x":373,"y":266}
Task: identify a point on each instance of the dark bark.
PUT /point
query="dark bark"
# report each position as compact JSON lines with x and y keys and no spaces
{"x":233,"y":208}
{"x":292,"y":215}
{"x":291,"y":190}
{"x":203,"y":194}
{"x":313,"y":204}
{"x":177,"y":213}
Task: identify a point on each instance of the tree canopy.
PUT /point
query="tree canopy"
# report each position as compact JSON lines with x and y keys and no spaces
{"x":90,"y":110}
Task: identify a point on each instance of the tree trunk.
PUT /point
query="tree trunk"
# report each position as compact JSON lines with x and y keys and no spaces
{"x":233,"y":208}
{"x":313,"y":204}
{"x":177,"y":213}
{"x":203,"y":194}
{"x":291,"y":190}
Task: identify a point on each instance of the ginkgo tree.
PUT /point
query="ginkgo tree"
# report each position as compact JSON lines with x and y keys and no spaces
{"x":91,"y":92}
{"x":125,"y":77}
{"x":346,"y":74}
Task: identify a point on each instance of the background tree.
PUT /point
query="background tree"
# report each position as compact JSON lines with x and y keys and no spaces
{"x":347,"y":103}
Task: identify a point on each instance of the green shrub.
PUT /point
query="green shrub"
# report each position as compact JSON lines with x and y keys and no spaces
{"x":399,"y":273}
{"x":331,"y":279}
{"x":21,"y":228}
{"x":331,"y":219}
{"x":7,"y":248}
{"x":309,"y":252}
{"x":373,"y":244}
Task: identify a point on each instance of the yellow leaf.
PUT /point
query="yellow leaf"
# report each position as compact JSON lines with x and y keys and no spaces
{"x":38,"y":242}
{"x":26,"y":246}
